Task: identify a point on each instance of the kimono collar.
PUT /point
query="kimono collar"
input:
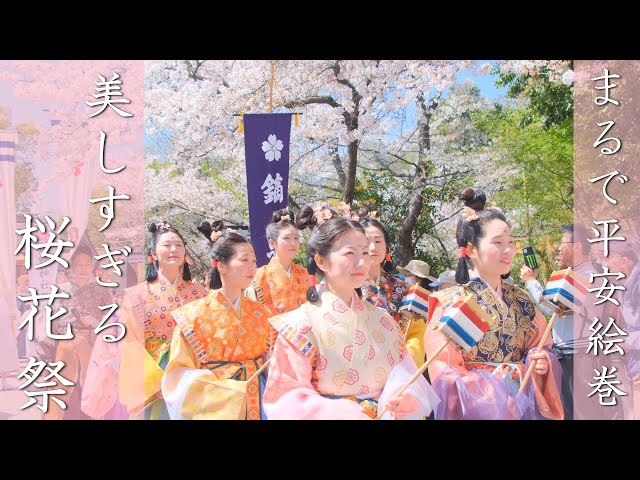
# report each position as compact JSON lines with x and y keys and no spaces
{"x":224,"y":301}
{"x":326,"y":295}
{"x":275,"y":263}
{"x":485,"y":284}
{"x":165,"y":281}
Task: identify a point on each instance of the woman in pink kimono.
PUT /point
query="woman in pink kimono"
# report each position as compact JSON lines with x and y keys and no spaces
{"x":337,"y":357}
{"x":484,"y":382}
{"x":146,"y":312}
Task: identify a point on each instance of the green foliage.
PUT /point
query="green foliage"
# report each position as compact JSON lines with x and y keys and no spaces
{"x":380,"y":192}
{"x":551,"y":101}
{"x":535,"y":142}
{"x":26,"y":129}
{"x":537,"y":191}
{"x":5,"y":122}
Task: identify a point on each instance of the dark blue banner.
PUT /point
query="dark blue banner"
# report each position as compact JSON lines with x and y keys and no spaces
{"x":266,"y":149}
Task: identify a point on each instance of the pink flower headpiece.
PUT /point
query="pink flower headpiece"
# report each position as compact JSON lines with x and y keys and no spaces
{"x":322,"y":212}
{"x":470,"y":214}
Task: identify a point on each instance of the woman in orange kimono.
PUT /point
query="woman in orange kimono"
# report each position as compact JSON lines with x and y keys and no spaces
{"x":483,"y":383}
{"x":146,"y":312}
{"x":220,"y":341}
{"x":337,"y":357}
{"x":281,"y":285}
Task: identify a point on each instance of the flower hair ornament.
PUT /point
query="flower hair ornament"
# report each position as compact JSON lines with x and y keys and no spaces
{"x":470,"y":214}
{"x":164,"y":225}
{"x":216,"y":235}
{"x":356,"y":216}
{"x":321,"y":212}
{"x":285,"y":218}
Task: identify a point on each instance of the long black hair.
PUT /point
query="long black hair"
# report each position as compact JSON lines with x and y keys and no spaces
{"x":157,"y":230}
{"x":472,"y":231}
{"x":222,"y":249}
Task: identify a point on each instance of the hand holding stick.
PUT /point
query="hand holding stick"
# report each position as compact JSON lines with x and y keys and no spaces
{"x":559,"y":312}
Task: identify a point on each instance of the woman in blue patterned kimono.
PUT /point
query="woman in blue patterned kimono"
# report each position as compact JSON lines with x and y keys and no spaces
{"x":483,"y":383}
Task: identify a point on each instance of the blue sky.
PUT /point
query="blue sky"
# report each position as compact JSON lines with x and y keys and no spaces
{"x":486,"y":83}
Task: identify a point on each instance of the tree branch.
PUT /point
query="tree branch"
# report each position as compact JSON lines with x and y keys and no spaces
{"x":326,"y":187}
{"x":311,"y":100}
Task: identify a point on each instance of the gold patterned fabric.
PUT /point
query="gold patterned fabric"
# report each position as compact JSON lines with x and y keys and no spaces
{"x":508,"y":340}
{"x":277,"y":291}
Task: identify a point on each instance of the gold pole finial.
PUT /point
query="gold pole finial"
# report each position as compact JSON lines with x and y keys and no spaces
{"x":271,"y":83}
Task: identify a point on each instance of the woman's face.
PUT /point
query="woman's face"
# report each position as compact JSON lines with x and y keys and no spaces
{"x":348,"y":262}
{"x":287,"y":244}
{"x":170,"y":251}
{"x":414,"y":279}
{"x":377,"y":245}
{"x":238,"y":272}
{"x":496,"y":250}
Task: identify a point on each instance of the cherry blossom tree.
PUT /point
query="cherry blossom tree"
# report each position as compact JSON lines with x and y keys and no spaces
{"x":71,"y":143}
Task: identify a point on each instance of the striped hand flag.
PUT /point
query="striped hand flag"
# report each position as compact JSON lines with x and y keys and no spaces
{"x":416,"y":300}
{"x":465,"y":323}
{"x":7,"y":223}
{"x":566,"y":287}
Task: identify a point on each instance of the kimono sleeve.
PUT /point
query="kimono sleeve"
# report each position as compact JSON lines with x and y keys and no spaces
{"x":433,"y":339}
{"x":548,"y":400}
{"x":193,"y":393}
{"x":415,"y":339}
{"x":139,"y":374}
{"x":289,"y":394}
{"x":100,"y":391}
{"x":465,"y":394}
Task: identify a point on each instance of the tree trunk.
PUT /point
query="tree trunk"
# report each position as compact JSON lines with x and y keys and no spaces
{"x":337,"y":164}
{"x":352,"y":163}
{"x":404,"y":246}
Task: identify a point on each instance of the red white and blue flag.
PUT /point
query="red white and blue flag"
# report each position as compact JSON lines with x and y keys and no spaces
{"x":416,"y":300}
{"x":566,"y":287}
{"x":465,"y":323}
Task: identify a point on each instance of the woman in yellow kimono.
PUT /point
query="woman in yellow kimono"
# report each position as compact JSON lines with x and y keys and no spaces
{"x":281,"y":285}
{"x":484,"y":382}
{"x":220,"y":341}
{"x":146,"y":312}
{"x":337,"y":357}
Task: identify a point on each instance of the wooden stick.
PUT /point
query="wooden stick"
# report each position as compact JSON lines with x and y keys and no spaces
{"x":415,"y":376}
{"x":406,"y":332}
{"x":559,"y":312}
{"x":424,"y":366}
{"x":258,"y":371}
{"x":142,"y":407}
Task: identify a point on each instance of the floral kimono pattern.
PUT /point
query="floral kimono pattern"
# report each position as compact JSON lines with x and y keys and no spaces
{"x":329,"y":354}
{"x":146,"y":312}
